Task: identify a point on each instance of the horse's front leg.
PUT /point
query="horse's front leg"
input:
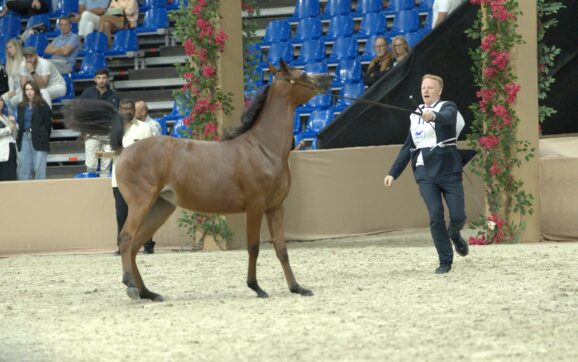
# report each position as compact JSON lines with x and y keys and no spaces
{"x":253,"y":230}
{"x":277,"y":230}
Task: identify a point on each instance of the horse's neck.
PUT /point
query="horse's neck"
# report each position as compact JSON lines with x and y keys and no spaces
{"x":274,"y":128}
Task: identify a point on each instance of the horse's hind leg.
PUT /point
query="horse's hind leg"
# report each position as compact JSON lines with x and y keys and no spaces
{"x":139,"y":227}
{"x":253,"y":230}
{"x":276,"y":228}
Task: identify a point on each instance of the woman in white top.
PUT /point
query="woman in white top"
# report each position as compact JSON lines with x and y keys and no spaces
{"x":13,"y":61}
{"x":8,"y":153}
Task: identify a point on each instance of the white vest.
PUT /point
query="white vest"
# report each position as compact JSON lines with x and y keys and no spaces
{"x":424,"y":134}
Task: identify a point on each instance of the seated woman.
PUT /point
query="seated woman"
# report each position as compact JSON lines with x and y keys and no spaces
{"x":14,"y":60}
{"x":400,"y":49}
{"x":380,"y":64}
{"x":121,"y":14}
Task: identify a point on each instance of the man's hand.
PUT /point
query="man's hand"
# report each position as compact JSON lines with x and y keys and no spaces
{"x":30,"y":67}
{"x":99,"y":153}
{"x":428,"y":116}
{"x":388,"y":181}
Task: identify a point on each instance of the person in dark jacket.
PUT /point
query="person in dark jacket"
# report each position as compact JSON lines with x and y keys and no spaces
{"x":34,"y":128}
{"x":380,"y":64}
{"x":431,"y":147}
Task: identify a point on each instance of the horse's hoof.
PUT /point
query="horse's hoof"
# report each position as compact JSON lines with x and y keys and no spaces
{"x":304,"y":292}
{"x":262,"y":294}
{"x":152,"y":296}
{"x":133,"y":293}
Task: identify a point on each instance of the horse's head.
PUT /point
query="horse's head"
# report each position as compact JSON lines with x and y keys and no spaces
{"x":304,"y":86}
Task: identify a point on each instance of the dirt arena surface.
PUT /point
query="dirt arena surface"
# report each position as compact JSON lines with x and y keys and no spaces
{"x":376,"y":299}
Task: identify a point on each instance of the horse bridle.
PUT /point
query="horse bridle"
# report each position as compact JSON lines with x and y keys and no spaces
{"x":374,"y":103}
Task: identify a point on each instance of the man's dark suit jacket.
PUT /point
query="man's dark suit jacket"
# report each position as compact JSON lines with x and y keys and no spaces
{"x":41,"y":126}
{"x":439,"y":161}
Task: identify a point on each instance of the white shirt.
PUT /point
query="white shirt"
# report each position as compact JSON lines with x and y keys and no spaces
{"x":154,"y":125}
{"x":44,"y":68}
{"x":444,"y":6}
{"x":136,"y":131}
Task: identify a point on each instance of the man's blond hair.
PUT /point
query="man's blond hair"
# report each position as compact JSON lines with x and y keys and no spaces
{"x":434,"y":77}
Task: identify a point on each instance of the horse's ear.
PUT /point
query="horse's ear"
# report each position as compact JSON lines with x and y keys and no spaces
{"x":272,"y":68}
{"x":284,"y":66}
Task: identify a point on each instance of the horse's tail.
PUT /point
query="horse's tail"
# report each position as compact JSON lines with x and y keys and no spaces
{"x":95,"y":117}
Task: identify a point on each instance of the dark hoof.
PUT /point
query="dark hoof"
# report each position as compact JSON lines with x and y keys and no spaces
{"x":262,"y":294}
{"x":152,"y":296}
{"x":133,"y":293}
{"x":304,"y":292}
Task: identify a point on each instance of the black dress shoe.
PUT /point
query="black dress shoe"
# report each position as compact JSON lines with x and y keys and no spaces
{"x":443,"y":269}
{"x":461,"y":245}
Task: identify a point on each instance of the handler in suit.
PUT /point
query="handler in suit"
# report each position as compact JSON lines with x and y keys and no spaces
{"x":437,"y":165}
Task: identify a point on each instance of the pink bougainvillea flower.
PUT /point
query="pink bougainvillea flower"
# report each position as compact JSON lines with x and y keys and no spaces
{"x":512,"y":89}
{"x":488,"y":41}
{"x":489,"y":142}
{"x":495,"y":169}
{"x":500,"y":59}
{"x":490,"y":72}
{"x":208,"y":71}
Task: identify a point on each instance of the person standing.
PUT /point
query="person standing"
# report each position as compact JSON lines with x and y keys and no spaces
{"x":134,"y":130}
{"x":432,"y":150}
{"x":142,"y":114}
{"x":34,"y":128}
{"x":44,"y":74}
{"x":88,"y":17}
{"x":380,"y":64}
{"x":64,"y":47}
{"x":93,"y":143}
{"x":8,"y":154}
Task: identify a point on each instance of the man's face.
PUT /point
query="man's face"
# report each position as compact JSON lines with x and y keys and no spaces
{"x":31,"y":60}
{"x":65,"y":26}
{"x":101,"y":81}
{"x":127,"y":112}
{"x":140,"y":112}
{"x":430,"y":91}
{"x":380,"y":47}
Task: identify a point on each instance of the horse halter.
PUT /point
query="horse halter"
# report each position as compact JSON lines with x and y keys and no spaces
{"x":294,"y":81}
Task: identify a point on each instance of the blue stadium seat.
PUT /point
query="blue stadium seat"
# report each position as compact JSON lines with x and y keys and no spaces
{"x":38,"y":41}
{"x":86,"y":175}
{"x":69,"y":89}
{"x":339,"y":26}
{"x":149,"y":4}
{"x":90,"y":64}
{"x":277,"y":30}
{"x":351,"y":90}
{"x":397,"y":5}
{"x":368,"y":6}
{"x":413,"y":38}
{"x":343,"y":48}
{"x":348,"y":71}
{"x":63,"y":8}
{"x":425,"y":5}
{"x":305,"y":9}
{"x":371,"y":24}
{"x":95,"y":42}
{"x":309,"y":137}
{"x":320,"y":101}
{"x":336,"y":7}
{"x":180,"y":130}
{"x":319,"y":119}
{"x":154,"y":19}
{"x":37,"y":20}
{"x":178,"y":112}
{"x":176,"y":4}
{"x":311,"y":51}
{"x":124,"y":41}
{"x":10,"y":26}
{"x":277,"y":51}
{"x":309,"y":28}
{"x":405,"y":21}
{"x":316,"y":68}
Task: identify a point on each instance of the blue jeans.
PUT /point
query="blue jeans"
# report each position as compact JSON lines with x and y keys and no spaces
{"x":451,"y":189}
{"x":30,"y":159}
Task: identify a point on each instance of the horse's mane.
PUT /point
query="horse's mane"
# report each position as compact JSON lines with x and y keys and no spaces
{"x":249,"y":116}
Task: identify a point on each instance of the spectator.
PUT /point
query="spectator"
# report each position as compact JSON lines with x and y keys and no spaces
{"x":64,"y":47}
{"x":442,"y":8}
{"x":34,"y":127}
{"x":8,"y":154}
{"x":142,"y":114}
{"x":134,"y":130}
{"x":88,"y":17}
{"x":26,"y":7}
{"x":13,"y":63}
{"x":400,"y":49}
{"x":44,"y":74}
{"x":380,"y":64}
{"x":121,"y":14}
{"x":93,"y":144}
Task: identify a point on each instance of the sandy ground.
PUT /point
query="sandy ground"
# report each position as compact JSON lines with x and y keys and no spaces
{"x":376,"y":298}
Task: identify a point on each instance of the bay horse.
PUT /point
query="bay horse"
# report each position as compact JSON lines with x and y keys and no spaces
{"x":245,"y":172}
